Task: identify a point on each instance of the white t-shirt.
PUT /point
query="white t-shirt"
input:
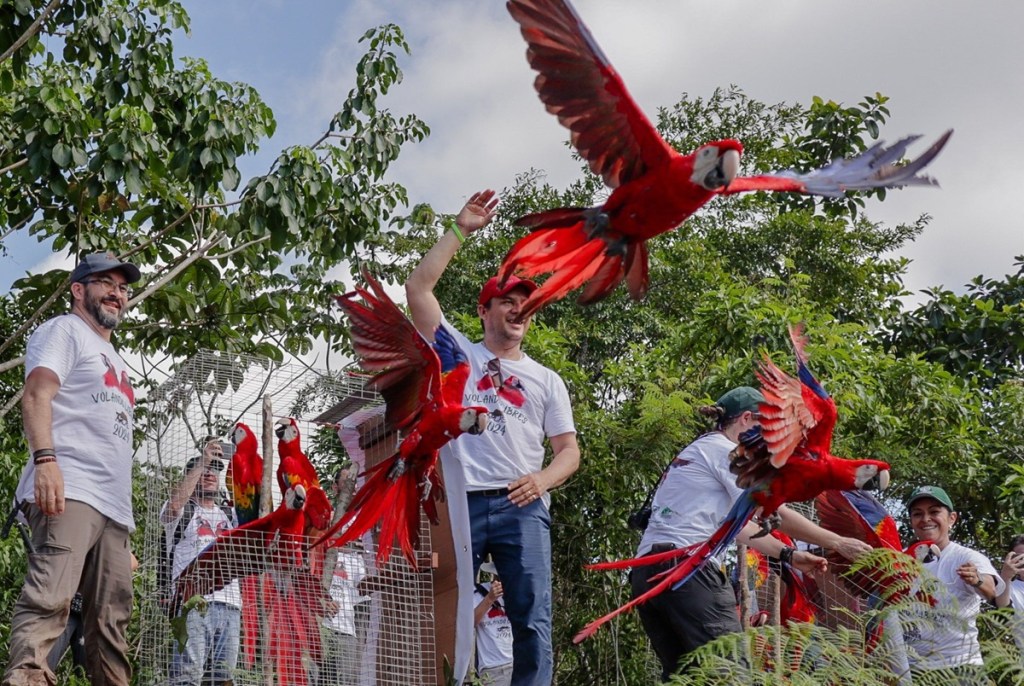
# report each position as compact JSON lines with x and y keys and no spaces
{"x":493,"y":633}
{"x":694,"y":496}
{"x":202,"y":530}
{"x":93,"y":417}
{"x":1017,"y":598}
{"x":349,"y":570}
{"x":948,"y":636}
{"x":534,"y":404}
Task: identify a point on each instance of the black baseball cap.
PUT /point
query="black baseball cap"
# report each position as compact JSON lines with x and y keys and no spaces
{"x":96,"y":262}
{"x":216,"y":464}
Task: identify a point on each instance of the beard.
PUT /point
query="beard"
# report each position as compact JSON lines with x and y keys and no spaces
{"x":102,"y":317}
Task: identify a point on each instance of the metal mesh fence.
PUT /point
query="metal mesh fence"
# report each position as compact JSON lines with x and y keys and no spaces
{"x":306,"y":616}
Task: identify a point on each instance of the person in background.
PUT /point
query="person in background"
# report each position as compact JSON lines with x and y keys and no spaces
{"x":76,"y":492}
{"x":946,"y":636}
{"x":343,"y":632}
{"x":193,"y":517}
{"x":493,"y":631}
{"x":1013,"y":594}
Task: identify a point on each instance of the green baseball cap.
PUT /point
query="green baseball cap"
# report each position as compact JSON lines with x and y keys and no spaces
{"x":739,"y":400}
{"x":933,"y":492}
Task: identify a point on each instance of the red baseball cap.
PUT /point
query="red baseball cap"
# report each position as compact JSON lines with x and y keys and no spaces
{"x":491,"y":288}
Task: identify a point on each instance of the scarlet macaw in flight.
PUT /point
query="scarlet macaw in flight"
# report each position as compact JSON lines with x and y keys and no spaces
{"x":422,"y":387}
{"x":654,"y":188}
{"x":785,"y":460}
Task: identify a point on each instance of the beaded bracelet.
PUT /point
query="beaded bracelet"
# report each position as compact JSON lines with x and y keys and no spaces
{"x":44,"y":452}
{"x":44,"y":460}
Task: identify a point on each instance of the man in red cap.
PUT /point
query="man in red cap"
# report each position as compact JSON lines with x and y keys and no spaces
{"x":507,"y":481}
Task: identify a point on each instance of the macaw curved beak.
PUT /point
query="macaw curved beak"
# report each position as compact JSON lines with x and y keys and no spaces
{"x":879,"y":482}
{"x":722,"y":174}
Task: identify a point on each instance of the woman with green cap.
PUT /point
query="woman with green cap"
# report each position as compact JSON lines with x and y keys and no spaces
{"x":947,"y":638}
{"x":694,"y":496}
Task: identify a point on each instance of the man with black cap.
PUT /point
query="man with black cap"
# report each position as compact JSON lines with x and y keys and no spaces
{"x":696,"y":492}
{"x":75,"y":492}
{"x":193,"y":517}
{"x":507,"y":481}
{"x":946,"y":637}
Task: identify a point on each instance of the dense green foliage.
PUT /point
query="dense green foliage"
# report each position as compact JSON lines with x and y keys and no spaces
{"x":114,"y":143}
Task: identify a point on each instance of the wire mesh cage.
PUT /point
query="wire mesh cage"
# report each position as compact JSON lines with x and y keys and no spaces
{"x":302,"y":615}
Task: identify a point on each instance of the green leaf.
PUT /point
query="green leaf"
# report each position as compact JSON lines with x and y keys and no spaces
{"x":61,"y":155}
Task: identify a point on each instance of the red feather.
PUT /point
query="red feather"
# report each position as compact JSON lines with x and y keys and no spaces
{"x":421,"y":399}
{"x":654,"y":188}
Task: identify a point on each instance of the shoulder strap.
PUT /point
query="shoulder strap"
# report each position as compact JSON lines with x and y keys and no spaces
{"x":661,"y":477}
{"x":179,"y":531}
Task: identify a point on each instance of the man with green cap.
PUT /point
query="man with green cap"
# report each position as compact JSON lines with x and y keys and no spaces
{"x":694,"y":496}
{"x":948,"y":638}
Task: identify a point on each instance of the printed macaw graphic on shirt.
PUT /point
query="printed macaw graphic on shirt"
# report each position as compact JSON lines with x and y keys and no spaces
{"x":508,"y":388}
{"x":121,"y":394}
{"x":207,"y":529}
{"x":119,"y":383}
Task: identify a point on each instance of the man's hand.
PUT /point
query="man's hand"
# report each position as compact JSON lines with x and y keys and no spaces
{"x":526,"y":489}
{"x":497,"y":590}
{"x":213,"y":452}
{"x":808,"y":562}
{"x":477,"y":213}
{"x":850,"y":548}
{"x":49,"y":489}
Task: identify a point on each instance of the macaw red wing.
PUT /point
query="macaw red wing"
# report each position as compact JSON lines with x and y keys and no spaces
{"x":385,"y":341}
{"x":275,"y":539}
{"x":795,"y":411}
{"x":858,"y":514}
{"x":877,"y":167}
{"x":578,"y":84}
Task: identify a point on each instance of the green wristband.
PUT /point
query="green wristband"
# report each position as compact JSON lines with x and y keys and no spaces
{"x":458,"y":234}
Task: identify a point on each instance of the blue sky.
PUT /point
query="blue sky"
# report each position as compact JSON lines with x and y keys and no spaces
{"x":944,"y":64}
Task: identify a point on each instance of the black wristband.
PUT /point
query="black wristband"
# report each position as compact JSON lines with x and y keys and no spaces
{"x":786,"y":555}
{"x":43,"y":452}
{"x":981,"y":580}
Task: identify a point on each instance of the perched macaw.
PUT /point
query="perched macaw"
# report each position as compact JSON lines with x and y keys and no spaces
{"x":245,"y":474}
{"x":245,"y":479}
{"x":422,"y":386}
{"x":857,"y":514}
{"x":275,"y":540}
{"x":654,"y":188}
{"x":295,"y":468}
{"x":786,"y":459}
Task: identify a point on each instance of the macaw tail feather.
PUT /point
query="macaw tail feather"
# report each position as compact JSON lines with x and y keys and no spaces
{"x":395,"y":503}
{"x":698,"y":554}
{"x":249,"y":590}
{"x":643,"y":560}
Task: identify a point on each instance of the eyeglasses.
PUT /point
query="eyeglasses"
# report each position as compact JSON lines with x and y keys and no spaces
{"x":112,"y":285}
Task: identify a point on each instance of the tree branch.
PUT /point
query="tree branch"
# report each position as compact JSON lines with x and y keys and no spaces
{"x":31,"y":30}
{"x":11,"y":364}
{"x":11,"y":167}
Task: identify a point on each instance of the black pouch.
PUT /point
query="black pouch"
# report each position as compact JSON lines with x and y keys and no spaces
{"x":639,"y":519}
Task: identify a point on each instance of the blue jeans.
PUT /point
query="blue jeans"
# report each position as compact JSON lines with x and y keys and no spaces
{"x":213,"y":641}
{"x":519,"y":542}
